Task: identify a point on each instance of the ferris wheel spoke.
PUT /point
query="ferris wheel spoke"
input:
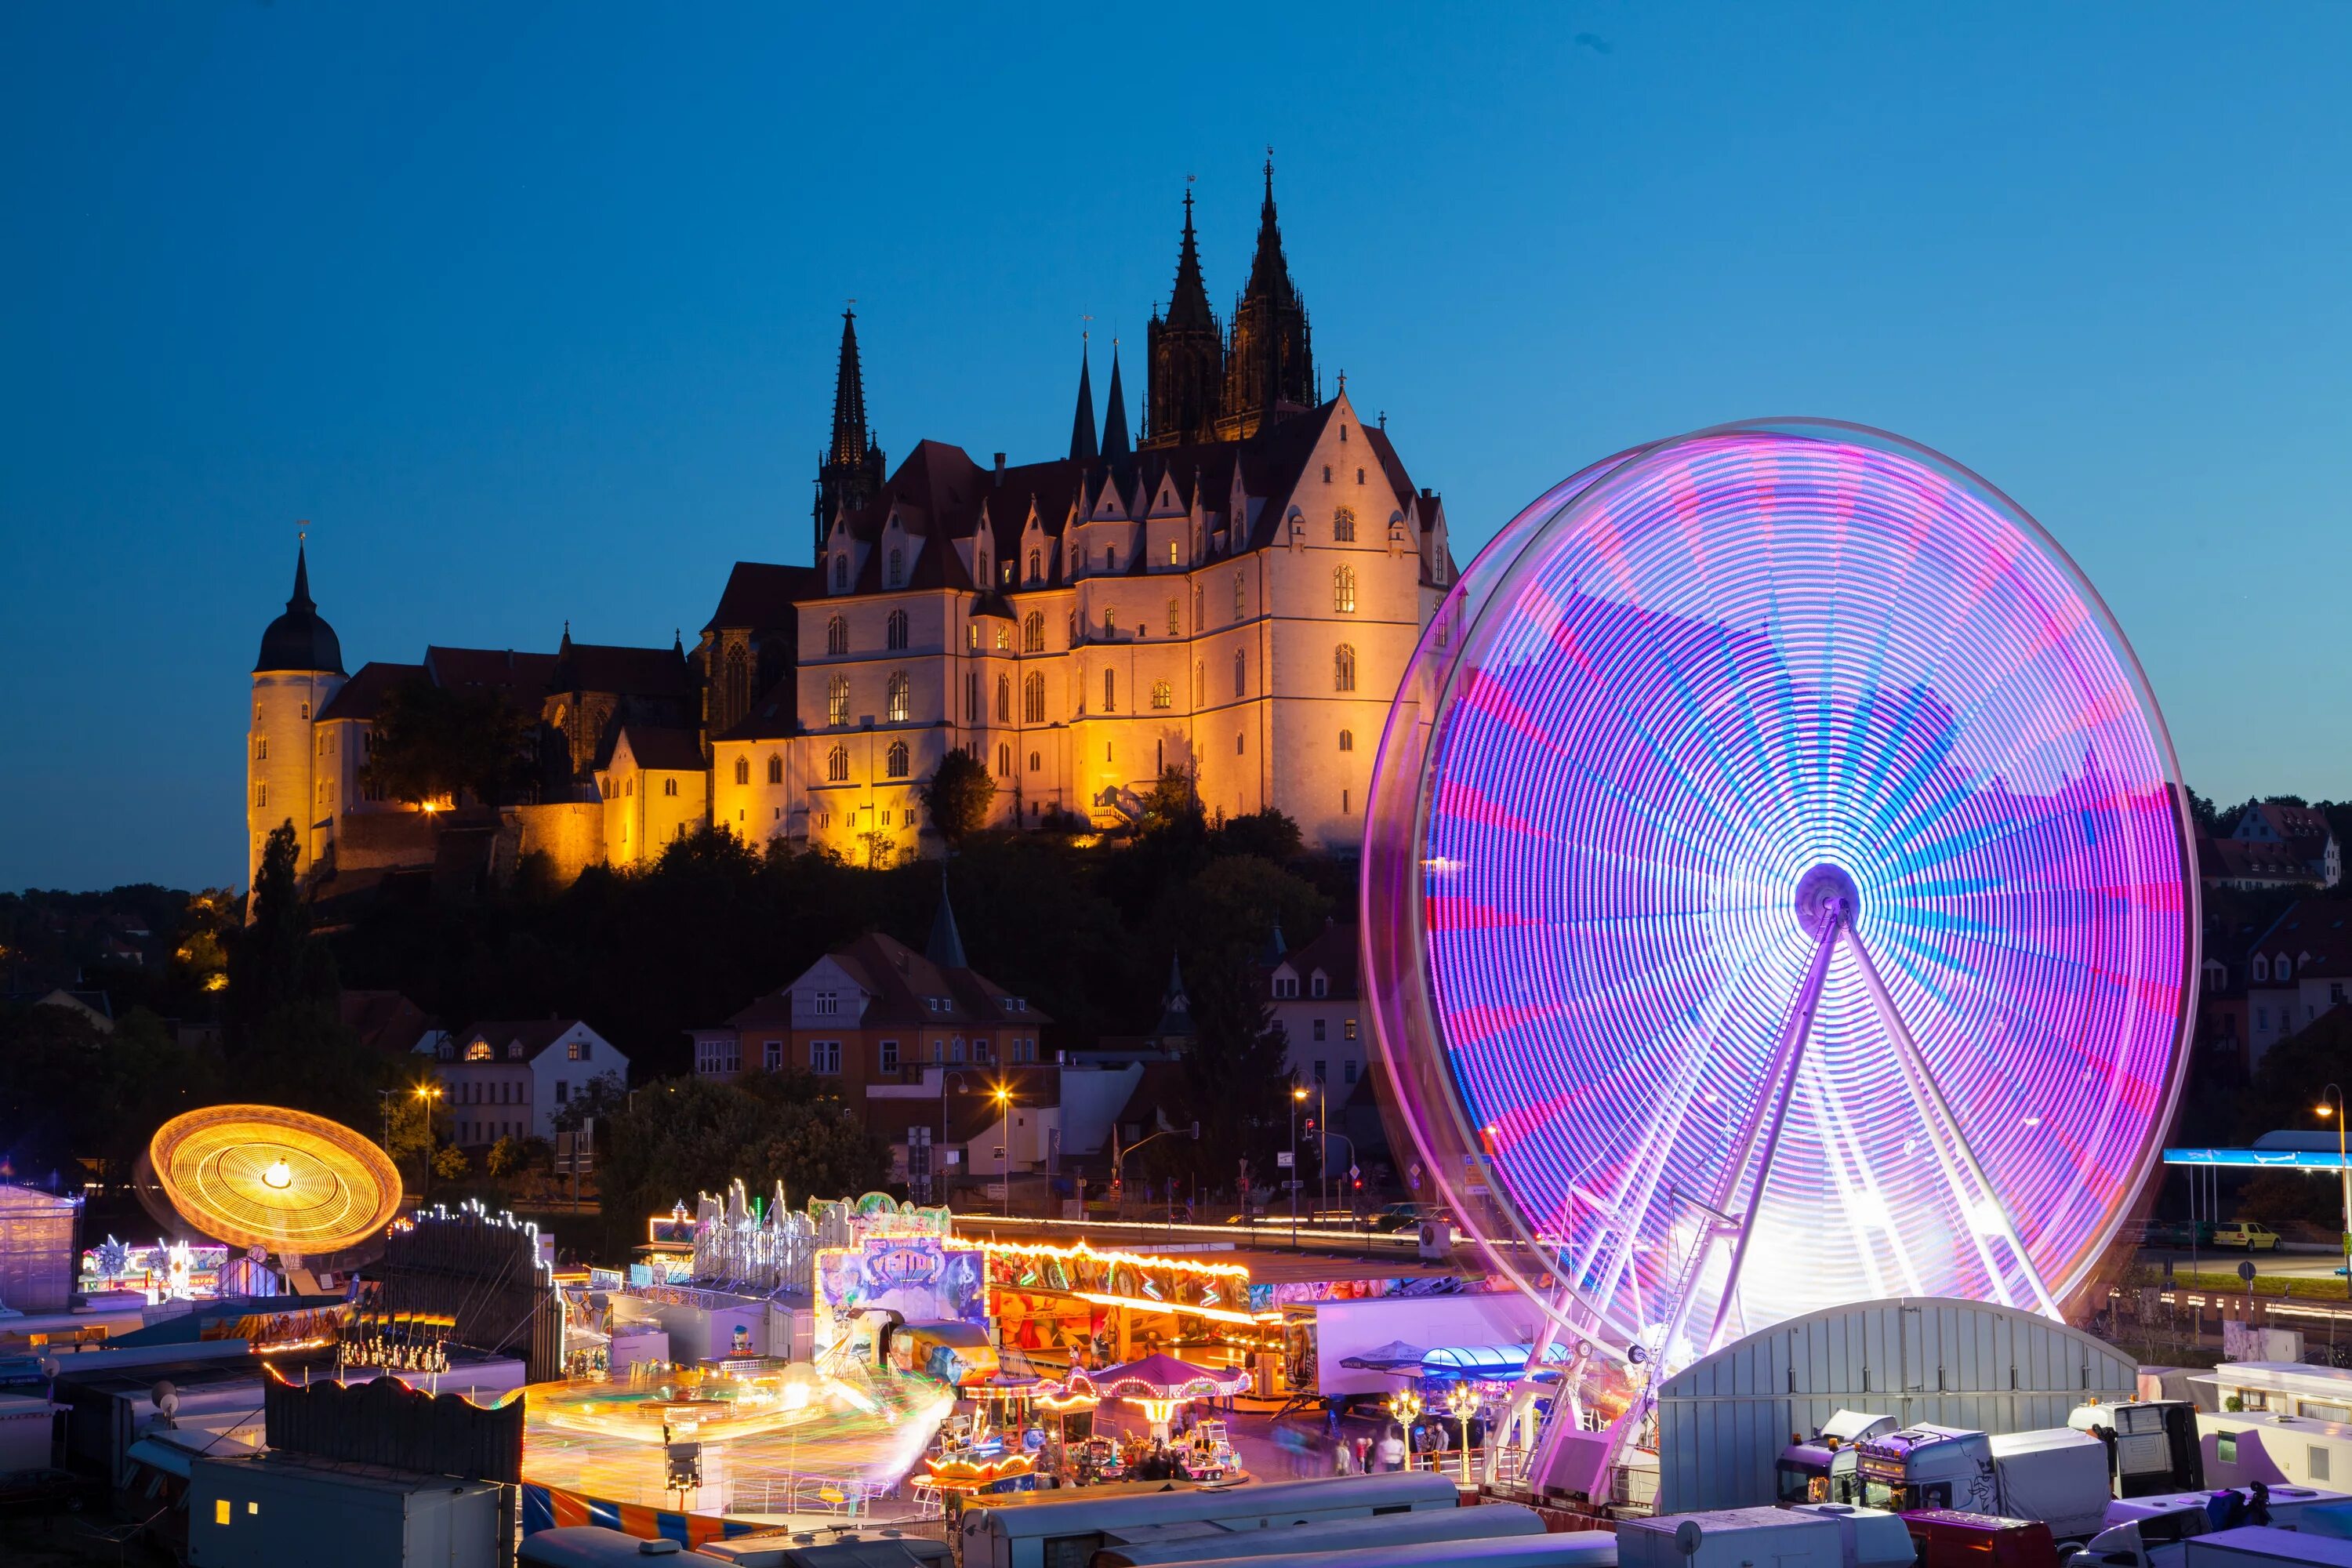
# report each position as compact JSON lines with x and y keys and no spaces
{"x":1938,"y":1124}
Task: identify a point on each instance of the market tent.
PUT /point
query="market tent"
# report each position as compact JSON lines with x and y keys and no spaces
{"x":1396,"y":1356}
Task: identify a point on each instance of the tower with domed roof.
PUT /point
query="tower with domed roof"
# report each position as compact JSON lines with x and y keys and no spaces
{"x":298,"y":672}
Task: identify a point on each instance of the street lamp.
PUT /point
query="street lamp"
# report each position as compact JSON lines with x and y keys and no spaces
{"x":1405,"y":1407}
{"x":1297,"y":1098}
{"x":1462,"y":1403}
{"x":1003,"y":1097}
{"x":2343,"y":1172}
{"x":428,"y":1093}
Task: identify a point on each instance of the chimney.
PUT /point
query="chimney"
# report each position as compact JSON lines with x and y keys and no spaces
{"x":1000,"y":468}
{"x":1428,"y":494}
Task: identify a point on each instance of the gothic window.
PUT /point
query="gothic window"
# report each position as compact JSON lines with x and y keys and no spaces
{"x":1347,"y":740}
{"x":1036,"y":566}
{"x":1036,"y":761}
{"x":836,"y":635}
{"x":1359,"y":476}
{"x":1343,"y":667}
{"x":897,"y":567}
{"x":1005,"y":637}
{"x":1175,"y":621}
{"x":836,"y":765}
{"x":1171,"y":553}
{"x":1238,"y":611}
{"x":894,"y":631}
{"x":1073,"y":641}
{"x":971,"y":697}
{"x":737,"y":694}
{"x":972,"y":635}
{"x":1110,"y":558}
{"x":261,"y":750}
{"x":1343,"y":590}
{"x":897,"y":704}
{"x":1343,"y":525}
{"x":1004,"y":700}
{"x":1033,"y":698}
{"x":1161,"y":695}
{"x":837,"y":701}
{"x":1110,"y":624}
{"x":895,"y":766}
{"x":743,"y":770}
{"x":775,"y":770}
{"x":840,"y":572}
{"x":1110,"y":691}
{"x":1033,"y":633}
{"x":980,"y":576}
{"x":1238,"y":747}
{"x":669,"y":788}
{"x":261,"y":796}
{"x":1003,"y":761}
{"x":1241,"y":673}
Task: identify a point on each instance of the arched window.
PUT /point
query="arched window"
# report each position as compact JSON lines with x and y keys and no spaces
{"x":1110,"y":691}
{"x":738,"y":693}
{"x":1004,"y":700}
{"x":1343,"y":590}
{"x":972,"y":635}
{"x":836,"y":765}
{"x":895,"y":764}
{"x":1238,"y":600}
{"x":1036,"y":761}
{"x":1175,"y":620}
{"x":1343,"y":525}
{"x":775,"y":770}
{"x":980,"y":576}
{"x":1005,"y":637}
{"x":1161,"y":695}
{"x":1110,"y":558}
{"x":898,"y":566}
{"x":1036,"y":566}
{"x":1073,"y":641}
{"x":836,"y":635}
{"x":670,"y":786}
{"x":1241,"y":673}
{"x":1347,"y":740}
{"x":898,"y":705}
{"x":1033,"y":698}
{"x":1003,"y":761}
{"x":840,"y":572}
{"x":1343,"y":667}
{"x":743,"y":770}
{"x":837,"y":701}
{"x":2283,"y":968}
{"x":894,"y":630}
{"x":1033,"y":634}
{"x":1171,"y":553}
{"x":1110,"y":624}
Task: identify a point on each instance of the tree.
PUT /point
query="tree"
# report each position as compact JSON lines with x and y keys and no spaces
{"x":1235,"y":1085}
{"x":508,"y":1157}
{"x":434,"y":741}
{"x":957,"y":796}
{"x":822,"y":1149}
{"x":273,"y":961}
{"x":1269,"y":834}
{"x":601,"y":1098}
{"x":449,"y":1163}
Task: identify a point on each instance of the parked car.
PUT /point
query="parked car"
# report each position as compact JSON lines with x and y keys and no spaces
{"x":1396,"y":1216}
{"x":2246,"y":1233}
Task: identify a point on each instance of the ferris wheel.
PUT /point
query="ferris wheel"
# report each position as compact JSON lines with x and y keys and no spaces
{"x":1778,"y":894}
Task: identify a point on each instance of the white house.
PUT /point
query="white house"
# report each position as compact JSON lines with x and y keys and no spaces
{"x":509,"y":1079}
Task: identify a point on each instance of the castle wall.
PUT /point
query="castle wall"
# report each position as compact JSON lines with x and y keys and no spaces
{"x":570,"y":833}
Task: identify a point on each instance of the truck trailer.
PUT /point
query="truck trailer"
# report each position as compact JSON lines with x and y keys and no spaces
{"x":2058,"y":1476}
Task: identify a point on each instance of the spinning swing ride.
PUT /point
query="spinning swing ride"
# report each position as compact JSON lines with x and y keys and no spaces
{"x":1780,"y":895}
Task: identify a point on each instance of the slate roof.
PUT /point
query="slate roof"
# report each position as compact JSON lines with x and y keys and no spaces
{"x":2316,"y":933}
{"x":661,"y":748}
{"x":363,"y":695}
{"x":760,"y":596}
{"x":904,"y":986}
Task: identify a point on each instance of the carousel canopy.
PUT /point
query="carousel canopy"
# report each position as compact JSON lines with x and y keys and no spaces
{"x":1162,"y":1376}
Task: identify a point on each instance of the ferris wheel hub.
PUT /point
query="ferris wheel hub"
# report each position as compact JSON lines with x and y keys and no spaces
{"x":1823,"y":894}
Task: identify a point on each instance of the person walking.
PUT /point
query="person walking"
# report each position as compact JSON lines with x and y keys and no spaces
{"x":1391,"y":1450}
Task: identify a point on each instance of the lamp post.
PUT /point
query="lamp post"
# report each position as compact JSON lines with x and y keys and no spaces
{"x":427,"y":1093}
{"x":1004,"y":1097}
{"x":1462,"y":1403}
{"x":1297,"y":1098}
{"x":2343,"y":1172}
{"x":1405,"y":1407}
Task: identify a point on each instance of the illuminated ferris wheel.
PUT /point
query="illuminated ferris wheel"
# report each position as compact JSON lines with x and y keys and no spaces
{"x":1779,"y":895}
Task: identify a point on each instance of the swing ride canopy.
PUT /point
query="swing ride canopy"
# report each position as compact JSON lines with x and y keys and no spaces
{"x":1779,"y":894}
{"x":260,"y":1175}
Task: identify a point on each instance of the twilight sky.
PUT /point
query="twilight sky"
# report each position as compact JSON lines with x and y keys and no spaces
{"x":530,"y":309}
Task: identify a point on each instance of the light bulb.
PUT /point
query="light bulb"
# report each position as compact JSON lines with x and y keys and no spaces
{"x":279,"y":1175}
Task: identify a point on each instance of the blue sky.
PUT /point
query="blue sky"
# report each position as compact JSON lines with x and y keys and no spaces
{"x":531,"y":309}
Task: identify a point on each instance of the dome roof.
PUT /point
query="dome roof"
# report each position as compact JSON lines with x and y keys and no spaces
{"x":300,"y":639}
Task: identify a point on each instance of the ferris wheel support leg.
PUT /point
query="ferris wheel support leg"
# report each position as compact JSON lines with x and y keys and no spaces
{"x":1788,"y":1062}
{"x":1939,"y":1123}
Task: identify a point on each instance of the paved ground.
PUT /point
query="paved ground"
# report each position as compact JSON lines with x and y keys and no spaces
{"x":2284,"y":1264}
{"x":1295,"y":1449}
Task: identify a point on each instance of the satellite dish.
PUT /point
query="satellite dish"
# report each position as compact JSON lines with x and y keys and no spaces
{"x":1687,"y":1535}
{"x":164,"y":1398}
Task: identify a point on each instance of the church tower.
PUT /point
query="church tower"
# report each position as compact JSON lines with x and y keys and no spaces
{"x":849,"y":474}
{"x":1269,"y":366}
{"x":1186,"y":378}
{"x":298,"y":672}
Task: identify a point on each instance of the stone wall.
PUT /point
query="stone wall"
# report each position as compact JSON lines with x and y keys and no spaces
{"x":570,"y":833}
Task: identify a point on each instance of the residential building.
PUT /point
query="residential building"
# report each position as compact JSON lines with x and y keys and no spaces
{"x":511,"y":1078}
{"x":2297,"y":971}
{"x":2301,"y":834}
{"x":1312,"y":993}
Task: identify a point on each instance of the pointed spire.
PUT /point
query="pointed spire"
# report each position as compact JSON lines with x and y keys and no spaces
{"x":1175,"y":1007}
{"x":1082,"y":425}
{"x":1114,"y":441}
{"x":1275,"y":946}
{"x":565,"y":646}
{"x":1188,"y":306}
{"x":849,"y":431}
{"x":1269,"y":272}
{"x":301,"y":600}
{"x":946,"y":945}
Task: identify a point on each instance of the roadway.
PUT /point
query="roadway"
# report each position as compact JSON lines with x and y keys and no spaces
{"x":2225,"y":1260}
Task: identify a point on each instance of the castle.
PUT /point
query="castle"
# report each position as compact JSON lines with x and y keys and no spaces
{"x":1234,"y":593}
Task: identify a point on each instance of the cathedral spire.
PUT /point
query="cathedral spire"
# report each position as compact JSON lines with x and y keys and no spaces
{"x":1188,"y":305}
{"x":1113,"y":439}
{"x":1082,"y":424}
{"x":945,"y":947}
{"x":301,"y":600}
{"x":1269,"y":270}
{"x":849,"y":427}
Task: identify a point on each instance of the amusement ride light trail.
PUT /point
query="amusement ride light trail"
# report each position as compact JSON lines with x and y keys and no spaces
{"x":1779,"y":894}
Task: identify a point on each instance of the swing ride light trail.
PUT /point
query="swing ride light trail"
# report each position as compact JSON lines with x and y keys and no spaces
{"x":1777,"y":887}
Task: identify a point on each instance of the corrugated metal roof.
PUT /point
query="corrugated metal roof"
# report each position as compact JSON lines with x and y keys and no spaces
{"x":1723,"y":1420}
